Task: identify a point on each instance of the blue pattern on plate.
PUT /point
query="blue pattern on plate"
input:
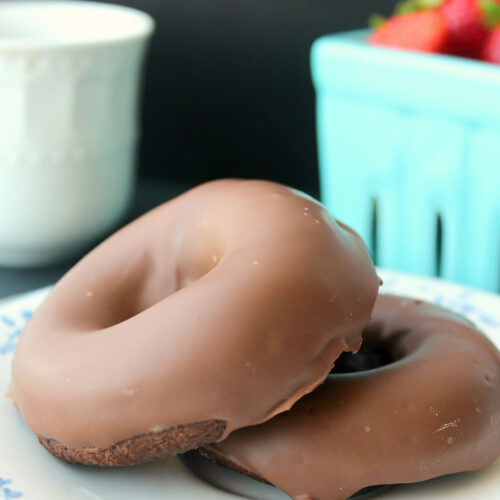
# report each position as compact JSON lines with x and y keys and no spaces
{"x":455,"y":299}
{"x":10,"y":329}
{"x":5,"y":492}
{"x":466,"y":309}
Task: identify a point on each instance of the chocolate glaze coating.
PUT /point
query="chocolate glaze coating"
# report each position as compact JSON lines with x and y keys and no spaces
{"x":434,"y":410}
{"x":226,"y":304}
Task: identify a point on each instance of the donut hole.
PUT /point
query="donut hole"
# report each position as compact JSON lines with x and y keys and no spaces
{"x":372,"y":354}
{"x":168,"y":271}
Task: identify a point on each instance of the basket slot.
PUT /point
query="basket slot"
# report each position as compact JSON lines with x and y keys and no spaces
{"x":439,"y":244}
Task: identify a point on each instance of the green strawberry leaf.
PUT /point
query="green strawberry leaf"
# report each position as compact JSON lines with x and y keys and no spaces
{"x":491,"y":12}
{"x":376,"y":21}
{"x":408,"y":6}
{"x":403,"y":7}
{"x":430,"y":4}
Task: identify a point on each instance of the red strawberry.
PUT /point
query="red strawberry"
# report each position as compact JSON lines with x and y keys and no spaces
{"x":491,"y":49}
{"x":424,"y":31}
{"x":465,"y":21}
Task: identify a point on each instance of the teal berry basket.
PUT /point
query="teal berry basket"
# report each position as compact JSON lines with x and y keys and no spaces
{"x":409,"y":155}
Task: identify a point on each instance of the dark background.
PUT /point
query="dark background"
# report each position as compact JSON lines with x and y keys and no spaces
{"x":228,"y":90}
{"x":228,"y":93}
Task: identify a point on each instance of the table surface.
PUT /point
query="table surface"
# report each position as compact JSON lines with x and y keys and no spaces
{"x":149,"y":193}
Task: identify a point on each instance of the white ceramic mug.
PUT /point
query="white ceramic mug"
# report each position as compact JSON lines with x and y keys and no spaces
{"x":70,"y":77}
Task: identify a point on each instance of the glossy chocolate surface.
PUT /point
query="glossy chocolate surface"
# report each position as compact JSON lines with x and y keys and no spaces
{"x":228,"y":303}
{"x":433,"y":410}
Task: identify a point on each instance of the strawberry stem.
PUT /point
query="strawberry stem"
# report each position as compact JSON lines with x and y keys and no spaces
{"x":491,"y":13}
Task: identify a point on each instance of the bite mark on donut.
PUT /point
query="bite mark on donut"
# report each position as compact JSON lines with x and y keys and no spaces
{"x":142,"y":448}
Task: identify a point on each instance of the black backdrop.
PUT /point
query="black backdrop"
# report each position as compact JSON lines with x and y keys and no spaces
{"x":228,"y":90}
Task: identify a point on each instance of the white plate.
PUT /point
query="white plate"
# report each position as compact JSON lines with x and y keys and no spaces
{"x":28,"y":472}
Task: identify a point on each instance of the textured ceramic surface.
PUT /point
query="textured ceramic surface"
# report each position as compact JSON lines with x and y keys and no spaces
{"x":419,"y":134}
{"x":69,"y":93}
{"x":27,"y":471}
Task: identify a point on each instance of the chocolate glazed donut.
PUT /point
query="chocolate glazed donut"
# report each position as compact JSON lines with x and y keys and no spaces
{"x":215,"y":311}
{"x":434,"y":409}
